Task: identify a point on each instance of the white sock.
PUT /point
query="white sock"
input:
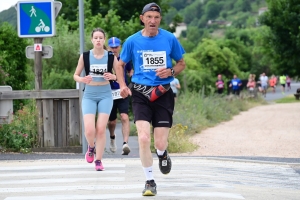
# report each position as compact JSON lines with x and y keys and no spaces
{"x":159,"y":152}
{"x":148,"y":173}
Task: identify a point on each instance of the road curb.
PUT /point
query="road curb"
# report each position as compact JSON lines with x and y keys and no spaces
{"x":239,"y":160}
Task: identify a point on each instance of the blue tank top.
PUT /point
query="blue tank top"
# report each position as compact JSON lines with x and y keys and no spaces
{"x":98,"y":65}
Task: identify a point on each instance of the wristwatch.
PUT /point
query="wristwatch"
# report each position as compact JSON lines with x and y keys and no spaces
{"x":172,"y":72}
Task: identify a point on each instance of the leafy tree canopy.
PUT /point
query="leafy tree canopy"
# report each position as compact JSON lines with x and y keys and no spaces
{"x":12,"y":56}
{"x":283,"y":18}
{"x":126,"y":9}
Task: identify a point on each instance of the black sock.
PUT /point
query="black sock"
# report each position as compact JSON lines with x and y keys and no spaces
{"x":124,"y":143}
{"x":112,"y":137}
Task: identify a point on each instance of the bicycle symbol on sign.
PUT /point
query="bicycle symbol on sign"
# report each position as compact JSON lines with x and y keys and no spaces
{"x":42,"y":27}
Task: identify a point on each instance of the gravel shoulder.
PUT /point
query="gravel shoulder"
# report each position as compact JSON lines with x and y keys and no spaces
{"x":265,"y":131}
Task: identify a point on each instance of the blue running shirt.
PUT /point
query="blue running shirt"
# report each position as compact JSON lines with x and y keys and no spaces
{"x":149,"y":53}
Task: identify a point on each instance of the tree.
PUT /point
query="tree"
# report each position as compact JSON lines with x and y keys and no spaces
{"x":283,"y":18}
{"x":193,"y":11}
{"x":13,"y":61}
{"x":243,"y":5}
{"x":12,"y":57}
{"x":180,"y":4}
{"x":126,"y":9}
{"x":207,"y":61}
{"x":212,"y":9}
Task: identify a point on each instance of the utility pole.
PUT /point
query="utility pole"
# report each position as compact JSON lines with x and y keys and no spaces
{"x":81,"y":85}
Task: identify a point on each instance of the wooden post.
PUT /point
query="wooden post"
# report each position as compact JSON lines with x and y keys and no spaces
{"x":38,"y":86}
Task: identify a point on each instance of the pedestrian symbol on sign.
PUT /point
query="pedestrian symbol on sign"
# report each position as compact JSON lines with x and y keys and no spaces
{"x":32,"y":11}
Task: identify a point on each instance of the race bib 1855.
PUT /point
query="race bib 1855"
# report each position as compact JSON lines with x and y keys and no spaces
{"x":154,"y":60}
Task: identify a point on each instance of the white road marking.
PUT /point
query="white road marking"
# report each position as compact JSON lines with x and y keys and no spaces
{"x":130,"y":196}
{"x":91,"y":186}
{"x":61,"y":180}
{"x":87,"y":166}
{"x":18,"y":174}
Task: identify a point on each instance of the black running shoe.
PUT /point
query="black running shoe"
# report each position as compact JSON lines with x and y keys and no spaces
{"x":165,"y":163}
{"x":150,"y":188}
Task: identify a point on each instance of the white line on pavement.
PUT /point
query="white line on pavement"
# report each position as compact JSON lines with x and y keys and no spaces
{"x":57,"y":167}
{"x":61,"y":173}
{"x":88,"y":187}
{"x":61,"y":180}
{"x":131,"y":196}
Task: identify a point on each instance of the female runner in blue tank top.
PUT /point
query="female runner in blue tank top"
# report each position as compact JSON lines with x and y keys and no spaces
{"x":97,"y":97}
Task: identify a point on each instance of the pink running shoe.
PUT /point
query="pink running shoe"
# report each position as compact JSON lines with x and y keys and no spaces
{"x":89,"y":155}
{"x":98,"y":165}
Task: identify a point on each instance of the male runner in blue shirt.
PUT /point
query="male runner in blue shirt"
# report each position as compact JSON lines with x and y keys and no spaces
{"x":120,"y":104}
{"x":151,"y":51}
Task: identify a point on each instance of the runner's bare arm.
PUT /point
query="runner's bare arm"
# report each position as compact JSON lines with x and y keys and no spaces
{"x":111,"y":76}
{"x":119,"y":69}
{"x":166,"y":72}
{"x":79,"y":68}
{"x":179,"y":67}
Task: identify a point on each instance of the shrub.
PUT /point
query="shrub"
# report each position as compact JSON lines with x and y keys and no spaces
{"x":3,"y":76}
{"x":179,"y":142}
{"x":21,"y":134}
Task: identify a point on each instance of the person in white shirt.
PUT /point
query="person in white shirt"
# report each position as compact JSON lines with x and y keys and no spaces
{"x":175,"y":85}
{"x":264,"y":83}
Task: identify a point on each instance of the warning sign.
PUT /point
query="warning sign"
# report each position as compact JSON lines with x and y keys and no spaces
{"x":38,"y":47}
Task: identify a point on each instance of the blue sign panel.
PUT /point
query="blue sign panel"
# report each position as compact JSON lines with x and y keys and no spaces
{"x":36,"y":19}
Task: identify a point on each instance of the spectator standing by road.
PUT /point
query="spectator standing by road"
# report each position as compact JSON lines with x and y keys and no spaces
{"x":175,"y":86}
{"x":220,"y":84}
{"x":251,"y":86}
{"x":264,"y":83}
{"x":235,"y":84}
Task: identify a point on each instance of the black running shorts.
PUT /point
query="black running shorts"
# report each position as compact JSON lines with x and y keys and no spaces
{"x":119,"y":104}
{"x":158,"y":112}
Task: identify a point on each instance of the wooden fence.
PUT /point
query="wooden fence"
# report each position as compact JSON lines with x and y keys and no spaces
{"x":59,"y":115}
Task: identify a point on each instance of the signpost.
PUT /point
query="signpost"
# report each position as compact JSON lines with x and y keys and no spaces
{"x":36,"y":19}
{"x":47,"y":51}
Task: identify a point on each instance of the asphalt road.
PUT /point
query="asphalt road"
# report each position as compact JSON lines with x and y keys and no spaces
{"x":278,"y":95}
{"x":190,"y":178}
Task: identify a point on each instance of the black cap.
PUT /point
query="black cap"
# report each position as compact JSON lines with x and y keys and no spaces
{"x":150,"y":7}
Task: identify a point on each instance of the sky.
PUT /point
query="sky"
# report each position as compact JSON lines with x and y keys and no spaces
{"x":6,"y":4}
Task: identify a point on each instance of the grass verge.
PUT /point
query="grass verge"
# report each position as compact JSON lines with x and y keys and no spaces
{"x":194,"y":112}
{"x":288,"y":99}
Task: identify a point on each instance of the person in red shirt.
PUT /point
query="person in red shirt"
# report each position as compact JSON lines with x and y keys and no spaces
{"x":272,"y":83}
